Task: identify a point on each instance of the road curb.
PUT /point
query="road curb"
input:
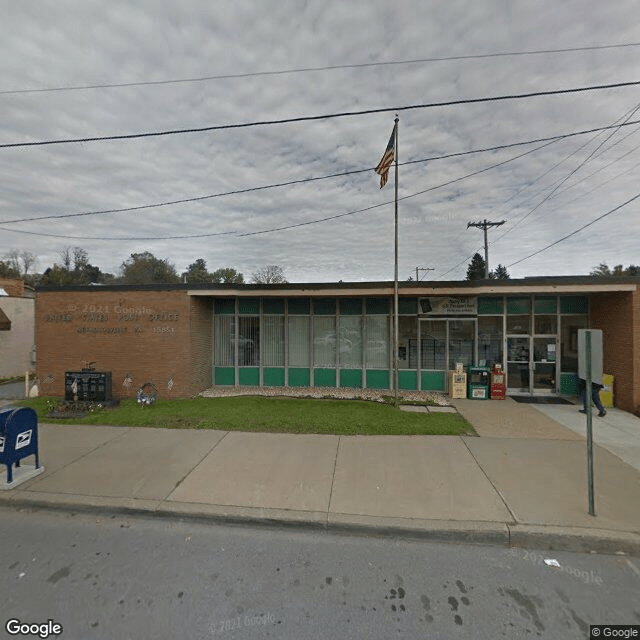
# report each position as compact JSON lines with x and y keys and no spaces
{"x":531,"y":536}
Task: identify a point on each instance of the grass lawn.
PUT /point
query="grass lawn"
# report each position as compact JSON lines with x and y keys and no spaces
{"x":284,"y":415}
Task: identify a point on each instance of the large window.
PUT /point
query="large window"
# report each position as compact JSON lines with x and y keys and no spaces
{"x":351,"y":342}
{"x":461,"y":342}
{"x":377,"y":351}
{"x":324,"y":341}
{"x":490,"y":340}
{"x":569,"y":341}
{"x":298,"y":341}
{"x":433,"y":340}
{"x":223,"y":338}
{"x":273,"y":341}
{"x":249,"y":341}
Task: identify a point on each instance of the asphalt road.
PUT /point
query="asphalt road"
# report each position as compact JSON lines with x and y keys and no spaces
{"x":12,"y":391}
{"x":129,"y":577}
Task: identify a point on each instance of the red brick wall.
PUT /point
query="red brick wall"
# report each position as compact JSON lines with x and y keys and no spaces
{"x":13,"y":287}
{"x":618,"y":315}
{"x":141,"y":335}
{"x":201,"y":343}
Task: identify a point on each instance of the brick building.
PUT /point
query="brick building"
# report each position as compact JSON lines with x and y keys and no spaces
{"x":186,"y":338}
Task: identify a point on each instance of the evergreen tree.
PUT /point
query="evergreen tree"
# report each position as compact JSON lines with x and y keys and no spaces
{"x":475,"y":270}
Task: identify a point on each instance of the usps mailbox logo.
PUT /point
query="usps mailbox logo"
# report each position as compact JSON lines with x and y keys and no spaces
{"x":1,"y":444}
{"x":23,"y":439}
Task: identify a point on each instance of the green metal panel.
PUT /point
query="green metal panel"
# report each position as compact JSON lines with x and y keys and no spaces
{"x":434,"y":380}
{"x":324,"y":377}
{"x":350,"y":306}
{"x":490,"y":306}
{"x":378,"y":305}
{"x":407,"y":306}
{"x":274,"y":306}
{"x":224,"y":375}
{"x":518,"y":304}
{"x":569,"y":384}
{"x":249,"y":376}
{"x":408,"y":380}
{"x":299,"y":306}
{"x":574,"y":304}
{"x":299,"y":377}
{"x":378,"y":379}
{"x":324,"y":306}
{"x":249,"y":305}
{"x":224,"y":306}
{"x":351,"y":378}
{"x":273,"y":376}
{"x":545,"y":304}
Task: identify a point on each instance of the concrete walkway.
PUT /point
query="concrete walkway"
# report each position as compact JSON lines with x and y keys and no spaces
{"x":523,"y":482}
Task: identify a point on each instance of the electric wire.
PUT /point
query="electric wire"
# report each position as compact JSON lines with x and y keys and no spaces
{"x":291,"y":226}
{"x":312,"y":179}
{"x":328,"y":116}
{"x":573,"y":233}
{"x":558,"y":185}
{"x":362,"y":65}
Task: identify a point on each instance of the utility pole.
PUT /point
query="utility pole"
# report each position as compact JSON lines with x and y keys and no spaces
{"x":484,"y":225}
{"x":418,"y":269}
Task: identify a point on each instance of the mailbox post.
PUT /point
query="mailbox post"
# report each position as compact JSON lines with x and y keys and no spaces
{"x":18,"y":437}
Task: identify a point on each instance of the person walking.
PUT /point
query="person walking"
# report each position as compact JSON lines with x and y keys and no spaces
{"x":595,"y":396}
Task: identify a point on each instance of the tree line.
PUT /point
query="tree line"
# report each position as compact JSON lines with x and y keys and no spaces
{"x":75,"y":268}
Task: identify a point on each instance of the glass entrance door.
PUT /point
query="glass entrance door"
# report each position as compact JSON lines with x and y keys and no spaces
{"x":532,"y":365}
{"x":544,"y":365}
{"x":518,"y":364}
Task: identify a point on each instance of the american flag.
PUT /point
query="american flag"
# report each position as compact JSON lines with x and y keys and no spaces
{"x":387,"y":159}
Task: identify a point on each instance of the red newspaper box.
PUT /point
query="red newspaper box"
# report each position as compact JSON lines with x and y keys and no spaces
{"x":498,"y":387}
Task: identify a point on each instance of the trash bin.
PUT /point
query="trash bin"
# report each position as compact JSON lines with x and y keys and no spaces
{"x":606,"y":394}
{"x":18,"y":437}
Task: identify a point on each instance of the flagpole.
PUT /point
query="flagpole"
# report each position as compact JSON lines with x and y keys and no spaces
{"x":395,"y":281}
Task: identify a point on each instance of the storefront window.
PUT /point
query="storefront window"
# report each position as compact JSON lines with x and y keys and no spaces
{"x":273,"y":343}
{"x":519,"y":324}
{"x":377,"y":352}
{"x":407,"y":342}
{"x":546,"y":324}
{"x":433,"y":338}
{"x":569,"y":326}
{"x":461,"y":342}
{"x":490,"y":340}
{"x":298,"y":341}
{"x":249,"y":341}
{"x":324,"y":341}
{"x":351,"y":342}
{"x":223,"y":334}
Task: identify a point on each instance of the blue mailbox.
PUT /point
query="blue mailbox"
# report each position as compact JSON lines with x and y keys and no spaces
{"x":18,"y":437}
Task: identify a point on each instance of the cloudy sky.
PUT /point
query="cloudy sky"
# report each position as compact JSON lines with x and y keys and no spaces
{"x":268,"y":61}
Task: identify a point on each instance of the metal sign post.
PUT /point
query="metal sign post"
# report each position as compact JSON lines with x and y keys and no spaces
{"x":588,"y":393}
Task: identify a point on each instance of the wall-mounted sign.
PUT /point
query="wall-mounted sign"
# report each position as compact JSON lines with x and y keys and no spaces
{"x":449,"y":306}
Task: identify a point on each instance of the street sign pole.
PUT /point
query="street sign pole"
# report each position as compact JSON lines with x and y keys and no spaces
{"x":588,"y":393}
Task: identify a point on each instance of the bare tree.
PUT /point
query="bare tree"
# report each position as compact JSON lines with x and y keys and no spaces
{"x":21,"y":261}
{"x":270,"y":274}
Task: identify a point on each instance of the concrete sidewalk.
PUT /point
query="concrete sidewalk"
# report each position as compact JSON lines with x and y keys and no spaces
{"x":501,"y":488}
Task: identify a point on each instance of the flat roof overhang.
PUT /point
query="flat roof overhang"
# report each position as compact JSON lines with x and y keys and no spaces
{"x":432,"y":289}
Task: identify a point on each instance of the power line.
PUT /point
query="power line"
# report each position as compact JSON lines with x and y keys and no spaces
{"x":573,"y":233}
{"x":291,"y":226}
{"x":363,"y":65}
{"x":342,"y":114}
{"x":571,"y":173}
{"x":313,"y":179}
